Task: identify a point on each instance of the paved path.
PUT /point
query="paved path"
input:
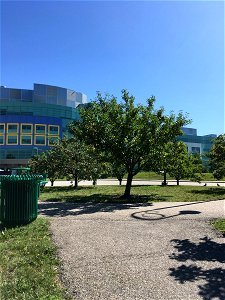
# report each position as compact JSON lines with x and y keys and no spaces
{"x":137,"y":182}
{"x":140,"y":252}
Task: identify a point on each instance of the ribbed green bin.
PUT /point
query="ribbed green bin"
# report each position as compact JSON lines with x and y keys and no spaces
{"x":19,"y":198}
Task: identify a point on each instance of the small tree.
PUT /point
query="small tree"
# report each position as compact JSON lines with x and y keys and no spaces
{"x":38,"y":163}
{"x":217,"y":157}
{"x":118,"y":170}
{"x":74,"y":158}
{"x":179,"y":161}
{"x":48,"y":162}
{"x":54,"y":163}
{"x":96,"y":165}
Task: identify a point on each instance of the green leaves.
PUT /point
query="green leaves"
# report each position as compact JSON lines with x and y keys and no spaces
{"x":128,"y":133}
{"x":217,"y":157}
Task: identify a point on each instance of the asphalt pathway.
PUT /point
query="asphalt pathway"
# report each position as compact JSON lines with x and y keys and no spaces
{"x":138,"y":251}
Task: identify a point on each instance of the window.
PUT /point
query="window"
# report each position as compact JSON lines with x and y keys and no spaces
{"x":40,"y":140}
{"x":25,"y":140}
{"x":53,"y":129}
{"x":12,"y":128}
{"x":2,"y":140}
{"x":26,"y":128}
{"x":12,"y":140}
{"x":53,"y":140}
{"x":2,"y":128}
{"x":40,"y":128}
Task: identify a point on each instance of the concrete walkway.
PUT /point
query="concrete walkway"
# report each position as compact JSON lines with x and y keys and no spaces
{"x":144,"y":252}
{"x":137,"y":182}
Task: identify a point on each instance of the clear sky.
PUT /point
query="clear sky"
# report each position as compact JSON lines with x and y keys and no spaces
{"x":173,"y":50}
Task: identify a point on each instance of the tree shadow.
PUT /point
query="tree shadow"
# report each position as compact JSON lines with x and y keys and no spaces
{"x":63,"y":209}
{"x":102,"y":198}
{"x":206,"y":250}
{"x":152,"y":215}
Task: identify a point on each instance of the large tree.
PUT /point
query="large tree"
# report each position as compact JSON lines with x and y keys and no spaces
{"x":217,"y":157}
{"x":129,"y":133}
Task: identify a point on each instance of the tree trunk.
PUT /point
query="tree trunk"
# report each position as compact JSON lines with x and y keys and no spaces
{"x":52,"y":182}
{"x":178,"y":181}
{"x":120,"y":181}
{"x":128,"y":186}
{"x":75,"y":181}
{"x":164,"y":178}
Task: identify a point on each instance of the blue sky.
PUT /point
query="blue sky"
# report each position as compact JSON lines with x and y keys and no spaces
{"x":173,"y":50}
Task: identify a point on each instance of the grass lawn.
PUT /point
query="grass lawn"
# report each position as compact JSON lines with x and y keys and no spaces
{"x":28,"y":264}
{"x":219,"y":225}
{"x":139,"y":193}
{"x":155,"y":176}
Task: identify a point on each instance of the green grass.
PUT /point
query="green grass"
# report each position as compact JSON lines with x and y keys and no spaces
{"x":219,"y":225}
{"x":155,"y":176}
{"x":28,"y":263}
{"x":107,"y":194}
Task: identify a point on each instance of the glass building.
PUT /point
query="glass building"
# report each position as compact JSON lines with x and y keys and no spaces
{"x":31,"y":121}
{"x":195,"y":143}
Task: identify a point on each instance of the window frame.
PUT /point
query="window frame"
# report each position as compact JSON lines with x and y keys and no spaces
{"x":40,"y":133}
{"x":21,"y":128}
{"x":26,"y":135}
{"x":3,"y":136}
{"x":37,"y":136}
{"x":9,"y":136}
{"x":14,"y":132}
{"x":3,"y":128}
{"x":50,"y":137}
{"x":49,"y":130}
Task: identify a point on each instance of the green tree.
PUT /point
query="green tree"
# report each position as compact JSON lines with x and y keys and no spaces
{"x":81,"y":161}
{"x":38,"y":163}
{"x":179,"y":164}
{"x":128,"y":133}
{"x":217,"y":157}
{"x":48,"y":162}
{"x":73,"y":157}
{"x":96,"y":165}
{"x":118,"y":170}
{"x":54,"y":162}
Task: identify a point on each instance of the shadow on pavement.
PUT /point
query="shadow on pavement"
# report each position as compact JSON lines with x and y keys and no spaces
{"x":152,"y":214}
{"x":208,"y":251}
{"x":63,"y":209}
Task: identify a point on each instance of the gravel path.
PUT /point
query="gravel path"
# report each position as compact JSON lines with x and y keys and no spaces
{"x":144,"y":252}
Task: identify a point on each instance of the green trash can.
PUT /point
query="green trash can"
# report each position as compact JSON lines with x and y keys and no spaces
{"x":19,"y":198}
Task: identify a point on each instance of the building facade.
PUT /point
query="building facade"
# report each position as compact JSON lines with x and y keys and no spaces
{"x":31,"y":121}
{"x":195,"y":143}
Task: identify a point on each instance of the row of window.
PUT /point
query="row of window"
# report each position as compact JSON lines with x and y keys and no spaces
{"x":26,"y":140}
{"x":26,"y":128}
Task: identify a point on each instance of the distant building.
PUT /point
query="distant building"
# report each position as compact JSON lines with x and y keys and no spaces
{"x":195,"y":143}
{"x":32,"y":120}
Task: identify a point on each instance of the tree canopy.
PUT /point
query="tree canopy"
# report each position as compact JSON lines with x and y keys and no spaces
{"x":129,"y":134}
{"x":217,"y":157}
